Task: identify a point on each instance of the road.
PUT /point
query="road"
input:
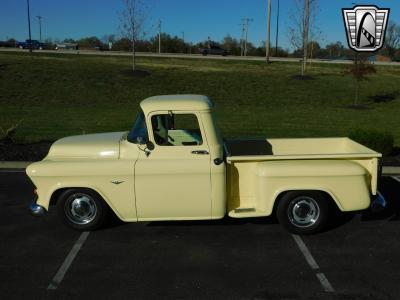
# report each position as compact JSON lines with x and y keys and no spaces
{"x":357,"y":258}
{"x":192,"y":56}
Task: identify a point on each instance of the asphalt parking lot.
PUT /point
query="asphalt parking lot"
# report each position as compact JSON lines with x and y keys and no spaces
{"x":357,"y":258}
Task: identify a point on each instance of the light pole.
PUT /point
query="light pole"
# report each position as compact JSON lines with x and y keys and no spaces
{"x":159,"y":36}
{"x":29,"y":27}
{"x":267,"y":42}
{"x":40,"y":27}
{"x":277,"y":30}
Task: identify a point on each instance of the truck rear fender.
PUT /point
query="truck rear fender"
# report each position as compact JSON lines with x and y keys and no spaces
{"x":346,"y":182}
{"x":329,"y":196}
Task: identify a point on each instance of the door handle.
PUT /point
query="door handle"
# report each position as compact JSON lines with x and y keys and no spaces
{"x":200,"y":152}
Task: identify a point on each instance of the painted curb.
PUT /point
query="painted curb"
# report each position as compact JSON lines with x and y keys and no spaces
{"x":14,"y":164}
{"x":391,"y":170}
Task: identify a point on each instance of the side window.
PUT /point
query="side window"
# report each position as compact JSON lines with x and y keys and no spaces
{"x":176,"y":130}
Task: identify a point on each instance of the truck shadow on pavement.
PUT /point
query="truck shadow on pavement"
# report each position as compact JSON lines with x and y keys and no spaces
{"x":226,"y":221}
{"x":391,"y":192}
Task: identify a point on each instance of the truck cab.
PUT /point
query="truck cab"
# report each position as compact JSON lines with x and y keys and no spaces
{"x":181,"y":153}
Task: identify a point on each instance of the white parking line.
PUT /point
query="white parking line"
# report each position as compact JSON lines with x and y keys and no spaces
{"x":396,"y":178}
{"x":68,"y":261}
{"x":313,"y":264}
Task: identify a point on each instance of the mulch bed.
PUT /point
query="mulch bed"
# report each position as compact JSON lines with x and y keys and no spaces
{"x":23,"y":152}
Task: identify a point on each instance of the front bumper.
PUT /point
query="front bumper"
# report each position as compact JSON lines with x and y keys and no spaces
{"x":37,"y":210}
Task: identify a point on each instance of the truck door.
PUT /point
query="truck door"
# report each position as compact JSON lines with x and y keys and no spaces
{"x":172,"y":181}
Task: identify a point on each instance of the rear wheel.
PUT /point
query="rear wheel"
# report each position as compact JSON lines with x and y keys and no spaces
{"x":82,"y":209}
{"x":303,"y":212}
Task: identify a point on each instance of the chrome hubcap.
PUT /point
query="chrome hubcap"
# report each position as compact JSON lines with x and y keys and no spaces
{"x":81,"y":209}
{"x":303,"y":211}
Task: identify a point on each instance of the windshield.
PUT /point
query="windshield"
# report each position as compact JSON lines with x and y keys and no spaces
{"x":139,"y":129}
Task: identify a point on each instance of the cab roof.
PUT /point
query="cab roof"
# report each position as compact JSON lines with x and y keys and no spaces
{"x":176,"y":102}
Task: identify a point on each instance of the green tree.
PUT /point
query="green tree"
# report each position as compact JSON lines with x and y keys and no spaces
{"x":231,"y":44}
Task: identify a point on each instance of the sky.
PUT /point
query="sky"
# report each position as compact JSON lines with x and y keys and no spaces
{"x":196,"y":19}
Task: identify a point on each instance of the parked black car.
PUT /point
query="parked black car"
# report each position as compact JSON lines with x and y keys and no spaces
{"x":213,"y":50}
{"x":27,"y":44}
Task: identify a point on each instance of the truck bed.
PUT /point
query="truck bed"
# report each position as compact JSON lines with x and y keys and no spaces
{"x":256,"y":169}
{"x":308,"y":148}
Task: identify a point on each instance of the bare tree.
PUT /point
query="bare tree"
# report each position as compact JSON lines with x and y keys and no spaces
{"x":360,"y":70}
{"x":392,"y":39}
{"x":303,"y":25}
{"x":132,"y":20}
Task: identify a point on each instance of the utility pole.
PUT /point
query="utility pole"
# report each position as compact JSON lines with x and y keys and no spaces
{"x":267,"y":41}
{"x":183,"y":40}
{"x":305,"y":35}
{"x":242,"y":38}
{"x":245,"y":31}
{"x":29,"y":26}
{"x":277,"y":30}
{"x":40,"y":27}
{"x":159,"y":36}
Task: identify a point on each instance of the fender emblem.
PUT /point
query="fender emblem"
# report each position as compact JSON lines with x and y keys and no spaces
{"x":116,"y":182}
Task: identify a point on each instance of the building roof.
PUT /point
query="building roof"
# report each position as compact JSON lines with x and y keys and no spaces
{"x":176,"y":102}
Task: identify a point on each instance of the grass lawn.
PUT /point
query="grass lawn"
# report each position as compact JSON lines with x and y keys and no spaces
{"x":57,"y":95}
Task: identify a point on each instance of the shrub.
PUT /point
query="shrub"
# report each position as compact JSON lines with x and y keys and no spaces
{"x":379,"y":141}
{"x":7,"y":134}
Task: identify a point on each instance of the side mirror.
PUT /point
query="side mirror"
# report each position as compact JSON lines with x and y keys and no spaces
{"x":150,"y":146}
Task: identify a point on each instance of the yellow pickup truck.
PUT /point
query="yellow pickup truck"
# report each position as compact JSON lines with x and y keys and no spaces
{"x":174,"y":165}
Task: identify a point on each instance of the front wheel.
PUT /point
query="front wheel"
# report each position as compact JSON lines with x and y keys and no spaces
{"x":303,"y":212}
{"x":82,"y":209}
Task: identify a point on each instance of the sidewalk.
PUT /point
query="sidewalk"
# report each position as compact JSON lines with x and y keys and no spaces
{"x":387,"y":170}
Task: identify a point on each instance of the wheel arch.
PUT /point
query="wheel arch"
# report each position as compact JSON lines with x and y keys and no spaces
{"x":58,"y":192}
{"x":328,"y":195}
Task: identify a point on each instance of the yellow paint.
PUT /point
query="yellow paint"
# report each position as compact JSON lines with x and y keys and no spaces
{"x":172,"y":183}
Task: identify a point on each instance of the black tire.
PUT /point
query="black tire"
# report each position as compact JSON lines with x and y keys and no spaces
{"x":303,"y":212}
{"x":82,"y":209}
{"x":205,"y":53}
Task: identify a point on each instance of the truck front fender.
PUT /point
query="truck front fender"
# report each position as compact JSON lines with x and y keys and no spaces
{"x":113,"y":180}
